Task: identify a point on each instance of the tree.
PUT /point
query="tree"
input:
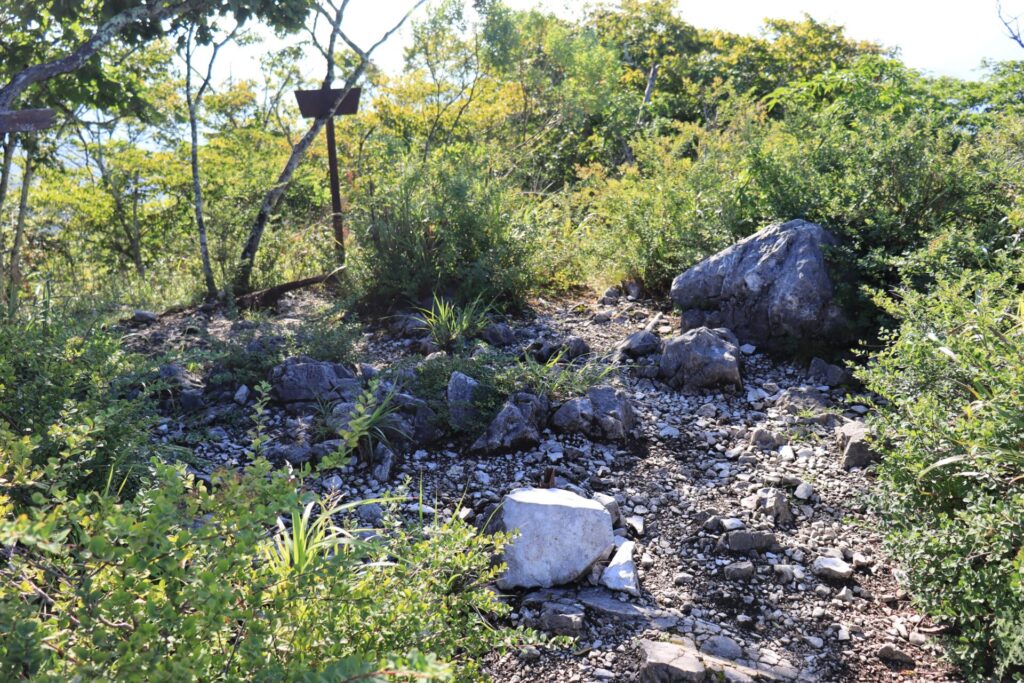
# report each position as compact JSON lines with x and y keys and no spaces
{"x":333,"y":14}
{"x":193,"y":100}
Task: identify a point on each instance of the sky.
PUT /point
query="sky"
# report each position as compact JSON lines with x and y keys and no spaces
{"x":939,"y":37}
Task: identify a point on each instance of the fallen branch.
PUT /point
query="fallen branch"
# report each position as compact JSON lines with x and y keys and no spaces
{"x":265,"y":298}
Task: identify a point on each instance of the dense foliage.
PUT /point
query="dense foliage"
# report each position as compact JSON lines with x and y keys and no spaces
{"x":951,"y":422}
{"x":516,"y":154}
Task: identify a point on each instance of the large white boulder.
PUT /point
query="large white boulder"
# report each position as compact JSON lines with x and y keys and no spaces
{"x":560,"y":535}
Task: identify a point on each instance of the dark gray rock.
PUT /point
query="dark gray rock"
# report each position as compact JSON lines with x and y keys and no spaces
{"x":701,"y":357}
{"x":745,"y":541}
{"x":562,"y":619}
{"x":853,"y":439}
{"x":383,"y":461}
{"x":302,"y":379}
{"x":740,"y":571}
{"x":461,"y":389}
{"x":772,"y":288}
{"x":499,"y":334}
{"x":575,"y":347}
{"x":144,"y":317}
{"x":613,"y":412}
{"x":610,"y":297}
{"x":668,"y":662}
{"x":604,"y":411}
{"x":294,"y":454}
{"x":639,"y":344}
{"x":517,"y":425}
{"x":826,"y":373}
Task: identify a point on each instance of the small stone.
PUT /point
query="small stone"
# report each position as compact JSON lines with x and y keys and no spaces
{"x":722,"y":646}
{"x":748,"y":349}
{"x":241,"y":396}
{"x":740,"y":571}
{"x":832,"y":568}
{"x":815,"y":642}
{"x":620,"y":575}
{"x":891,"y":653}
{"x":804,"y":491}
{"x":666,"y":662}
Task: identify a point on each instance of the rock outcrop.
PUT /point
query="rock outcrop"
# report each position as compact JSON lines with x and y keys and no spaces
{"x":302,"y":379}
{"x":772,"y":288}
{"x":517,"y":425}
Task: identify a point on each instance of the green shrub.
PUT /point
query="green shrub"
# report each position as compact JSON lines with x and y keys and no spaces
{"x":952,"y":481}
{"x":65,"y":392}
{"x":445,"y":224}
{"x":176,"y":584}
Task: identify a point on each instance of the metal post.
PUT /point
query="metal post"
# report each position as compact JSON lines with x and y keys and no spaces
{"x":336,"y":217}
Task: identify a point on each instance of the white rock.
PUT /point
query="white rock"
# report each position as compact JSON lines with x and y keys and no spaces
{"x":748,"y":349}
{"x":560,"y":535}
{"x":620,"y":575}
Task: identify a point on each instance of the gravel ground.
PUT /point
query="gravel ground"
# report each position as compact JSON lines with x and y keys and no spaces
{"x":707,"y":474}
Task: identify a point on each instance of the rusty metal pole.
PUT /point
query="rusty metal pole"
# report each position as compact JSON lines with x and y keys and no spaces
{"x":336,"y":217}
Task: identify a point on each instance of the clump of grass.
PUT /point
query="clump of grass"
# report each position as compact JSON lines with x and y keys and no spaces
{"x":449,"y":326}
{"x":555,"y":379}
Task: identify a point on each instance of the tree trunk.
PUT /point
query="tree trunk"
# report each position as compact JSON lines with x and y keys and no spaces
{"x":197,"y":198}
{"x":14,"y":279}
{"x":136,"y":231}
{"x":5,"y":172}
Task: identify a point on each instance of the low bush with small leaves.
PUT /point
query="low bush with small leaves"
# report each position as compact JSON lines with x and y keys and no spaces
{"x":951,"y":425}
{"x":185,"y":582}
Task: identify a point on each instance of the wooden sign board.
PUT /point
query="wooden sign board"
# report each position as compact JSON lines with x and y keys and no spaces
{"x":315,"y":104}
{"x":26,"y":120}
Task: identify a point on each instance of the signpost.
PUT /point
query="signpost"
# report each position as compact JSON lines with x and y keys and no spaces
{"x":316,"y":104}
{"x":26,"y":120}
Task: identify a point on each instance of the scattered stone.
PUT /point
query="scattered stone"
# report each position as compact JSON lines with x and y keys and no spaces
{"x":301,"y":378}
{"x":832,"y":568}
{"x":144,"y":317}
{"x":639,"y":344}
{"x":853,"y":439}
{"x":891,"y":653}
{"x":241,"y":396}
{"x":499,"y":335}
{"x":824,"y":372}
{"x":461,"y":390}
{"x":740,"y":571}
{"x":804,"y":491}
{"x":620,"y":575}
{"x":517,"y":425}
{"x":562,"y":620}
{"x":745,"y":541}
{"x":559,"y":536}
{"x":722,"y":646}
{"x":667,"y":662}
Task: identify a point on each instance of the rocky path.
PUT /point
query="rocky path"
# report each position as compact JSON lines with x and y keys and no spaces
{"x":754,"y":554}
{"x":756,"y":557}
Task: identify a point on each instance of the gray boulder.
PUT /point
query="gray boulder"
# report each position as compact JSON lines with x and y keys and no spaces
{"x":517,"y":425}
{"x":772,"y":288}
{"x":559,"y":537}
{"x":701,"y":357}
{"x":461,"y":389}
{"x":826,"y":373}
{"x":499,"y":334}
{"x":604,"y":411}
{"x":302,"y":379}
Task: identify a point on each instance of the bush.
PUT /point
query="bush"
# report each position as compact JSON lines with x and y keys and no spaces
{"x":445,"y":225}
{"x":183,"y":583}
{"x":951,"y":424}
{"x":65,"y":396}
